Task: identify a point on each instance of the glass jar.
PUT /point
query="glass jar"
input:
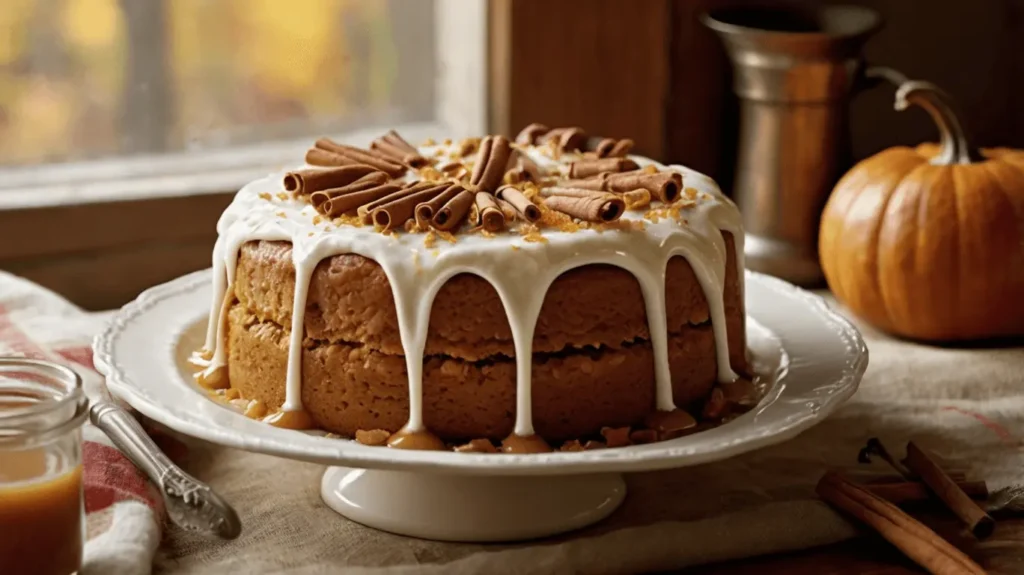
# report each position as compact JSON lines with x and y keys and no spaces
{"x":42,"y":527}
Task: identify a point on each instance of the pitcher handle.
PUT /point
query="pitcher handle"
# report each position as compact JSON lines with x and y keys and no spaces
{"x":872,"y":76}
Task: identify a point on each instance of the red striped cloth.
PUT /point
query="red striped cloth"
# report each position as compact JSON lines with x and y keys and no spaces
{"x":124,"y":512}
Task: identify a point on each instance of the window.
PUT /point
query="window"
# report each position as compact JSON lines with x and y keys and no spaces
{"x":103,"y":81}
{"x":127,"y":125}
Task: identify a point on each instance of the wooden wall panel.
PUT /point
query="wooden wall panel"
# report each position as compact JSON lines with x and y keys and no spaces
{"x":101,"y":255}
{"x":974,"y":50}
{"x":111,"y":277}
{"x":701,"y":113}
{"x":598,"y":64}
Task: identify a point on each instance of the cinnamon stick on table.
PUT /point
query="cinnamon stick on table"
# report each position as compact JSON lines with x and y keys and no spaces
{"x":910,"y":536}
{"x":912,"y":491}
{"x":920,"y":463}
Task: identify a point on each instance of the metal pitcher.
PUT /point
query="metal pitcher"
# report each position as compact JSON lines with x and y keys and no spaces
{"x":794,"y":72}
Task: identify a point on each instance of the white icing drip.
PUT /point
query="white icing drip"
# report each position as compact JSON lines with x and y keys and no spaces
{"x":521,"y":276}
{"x":653,"y":289}
{"x":220,"y":289}
{"x":304,"y":267}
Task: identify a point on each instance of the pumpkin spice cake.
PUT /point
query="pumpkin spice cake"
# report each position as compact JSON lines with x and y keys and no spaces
{"x":543,"y":292}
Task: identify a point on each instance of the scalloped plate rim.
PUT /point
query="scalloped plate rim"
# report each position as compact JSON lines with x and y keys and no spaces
{"x":669,"y":454}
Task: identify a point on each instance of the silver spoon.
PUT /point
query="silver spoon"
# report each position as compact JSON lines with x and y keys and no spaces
{"x":190,"y":503}
{"x":1009,"y":499}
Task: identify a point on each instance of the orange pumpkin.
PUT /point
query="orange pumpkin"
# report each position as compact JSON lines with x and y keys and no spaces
{"x":928,"y":243}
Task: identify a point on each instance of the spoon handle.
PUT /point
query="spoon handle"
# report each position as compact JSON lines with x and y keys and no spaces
{"x":190,"y":503}
{"x":126,"y":433}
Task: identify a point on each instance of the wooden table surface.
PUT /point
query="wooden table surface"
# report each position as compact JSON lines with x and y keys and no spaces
{"x":1002,"y":553}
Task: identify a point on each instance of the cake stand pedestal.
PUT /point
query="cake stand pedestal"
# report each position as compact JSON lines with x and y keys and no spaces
{"x":475,"y":508}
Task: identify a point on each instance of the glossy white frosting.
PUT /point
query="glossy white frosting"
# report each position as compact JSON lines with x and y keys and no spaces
{"x":520,"y":270}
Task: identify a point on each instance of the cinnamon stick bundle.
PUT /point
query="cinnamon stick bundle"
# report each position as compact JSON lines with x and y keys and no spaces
{"x":568,"y":138}
{"x":319,"y":157}
{"x":364,"y":210}
{"x":338,"y":205}
{"x":490,"y":163}
{"x":520,"y":202}
{"x":302,"y":182}
{"x":639,"y":198}
{"x":508,"y":209}
{"x":489,"y":213}
{"x":599,"y":146}
{"x":354,"y":155}
{"x":529,"y":135}
{"x":597,"y":183}
{"x":573,"y":192}
{"x":587,"y":168}
{"x":451,"y":168}
{"x":622,"y":148}
{"x":608,"y":147}
{"x":452,"y":213}
{"x":586,"y":205}
{"x":425,"y":211}
{"x":366,"y":182}
{"x":523,"y":169}
{"x":394,"y":148}
{"x":395,"y":213}
{"x":666,"y":186}
{"x":910,"y":536}
{"x":973,"y":516}
{"x":467,"y":146}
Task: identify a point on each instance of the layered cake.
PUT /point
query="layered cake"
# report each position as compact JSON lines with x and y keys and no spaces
{"x":552,"y":291}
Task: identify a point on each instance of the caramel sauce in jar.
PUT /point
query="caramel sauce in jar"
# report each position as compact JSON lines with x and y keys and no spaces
{"x":41,"y":515}
{"x":42,"y":519}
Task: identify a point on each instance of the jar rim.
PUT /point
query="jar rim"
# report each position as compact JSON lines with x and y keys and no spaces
{"x":73,"y":395}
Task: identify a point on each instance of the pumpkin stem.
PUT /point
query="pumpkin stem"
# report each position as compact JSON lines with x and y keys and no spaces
{"x":955,"y":145}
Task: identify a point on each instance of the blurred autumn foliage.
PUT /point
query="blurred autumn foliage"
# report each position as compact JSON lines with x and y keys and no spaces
{"x":82,"y":79}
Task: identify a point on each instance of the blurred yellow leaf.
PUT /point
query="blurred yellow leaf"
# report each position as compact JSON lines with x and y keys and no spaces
{"x":91,"y":23}
{"x":13,"y":24}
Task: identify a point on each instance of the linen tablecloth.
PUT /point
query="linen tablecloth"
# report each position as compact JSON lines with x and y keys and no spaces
{"x":966,"y":404}
{"x":123,"y":511}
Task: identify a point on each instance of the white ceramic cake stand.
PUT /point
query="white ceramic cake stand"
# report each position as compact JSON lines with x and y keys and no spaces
{"x":813,"y":358}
